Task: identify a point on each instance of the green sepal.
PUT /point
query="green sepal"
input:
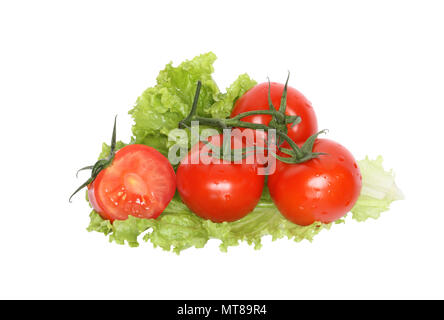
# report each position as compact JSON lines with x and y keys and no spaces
{"x":100,"y":164}
{"x":307,"y":147}
{"x":283,"y":105}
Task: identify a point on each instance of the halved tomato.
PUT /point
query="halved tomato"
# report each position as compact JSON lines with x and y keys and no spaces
{"x":139,"y":182}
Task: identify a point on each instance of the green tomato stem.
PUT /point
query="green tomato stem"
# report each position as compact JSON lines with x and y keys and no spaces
{"x":278,"y":122}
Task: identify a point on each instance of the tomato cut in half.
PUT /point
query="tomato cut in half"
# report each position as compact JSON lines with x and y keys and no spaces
{"x":139,"y":182}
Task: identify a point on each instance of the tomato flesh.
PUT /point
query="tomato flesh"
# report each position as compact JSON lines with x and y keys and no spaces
{"x":218,"y":191}
{"x":322,"y":189}
{"x":257,"y":99}
{"x":139,"y":182}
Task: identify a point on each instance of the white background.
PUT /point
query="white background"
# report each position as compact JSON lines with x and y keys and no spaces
{"x":374,"y":71}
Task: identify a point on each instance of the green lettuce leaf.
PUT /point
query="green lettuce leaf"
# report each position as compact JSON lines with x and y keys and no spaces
{"x":225,"y":101}
{"x":379,"y":190}
{"x":106,"y":149}
{"x":158,"y":111}
{"x":160,"y":108}
{"x":98,"y":224}
{"x":128,"y":230}
{"x":177,"y":228}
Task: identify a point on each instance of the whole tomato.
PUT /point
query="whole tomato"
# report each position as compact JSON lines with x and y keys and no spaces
{"x":215,"y":189}
{"x":257,"y":99}
{"x":321,"y":189}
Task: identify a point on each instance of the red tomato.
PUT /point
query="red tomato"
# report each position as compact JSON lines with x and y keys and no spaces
{"x":257,"y":99}
{"x":139,"y":182}
{"x":215,"y":190}
{"x":321,"y":189}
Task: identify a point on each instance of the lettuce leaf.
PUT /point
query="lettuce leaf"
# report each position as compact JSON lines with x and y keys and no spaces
{"x":225,"y":101}
{"x":98,"y":224}
{"x":158,"y":111}
{"x":160,"y":108}
{"x":379,"y":190}
{"x":106,"y":149}
{"x":177,"y":228}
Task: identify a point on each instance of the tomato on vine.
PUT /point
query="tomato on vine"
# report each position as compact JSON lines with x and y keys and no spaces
{"x":266,"y":95}
{"x":217,"y":189}
{"x":321,"y":189}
